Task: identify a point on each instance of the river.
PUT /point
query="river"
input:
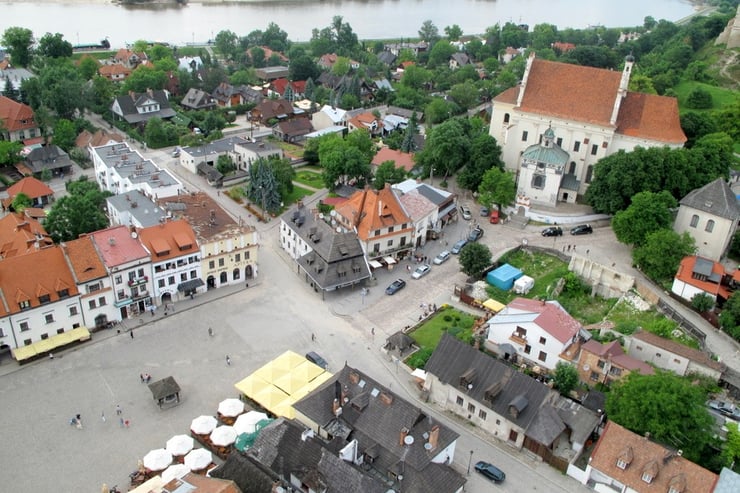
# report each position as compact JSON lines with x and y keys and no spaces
{"x":89,"y":21}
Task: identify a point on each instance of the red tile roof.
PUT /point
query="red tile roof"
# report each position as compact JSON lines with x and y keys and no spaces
{"x":30,"y":186}
{"x":118,"y":247}
{"x":651,"y":117}
{"x":21,"y":234}
{"x":552,"y":318}
{"x":99,"y":138}
{"x":641,"y":455}
{"x":27,"y":277}
{"x":15,"y":116}
{"x":403,"y":159}
{"x":109,"y":71}
{"x":280,"y":85}
{"x":686,"y":271}
{"x":674,"y":347}
{"x":376,"y":209}
{"x":84,"y":259}
{"x":169,"y":240}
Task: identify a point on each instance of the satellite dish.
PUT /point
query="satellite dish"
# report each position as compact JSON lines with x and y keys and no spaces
{"x":333,"y":213}
{"x":339,"y":229}
{"x":134,"y":234}
{"x":408,"y":440}
{"x":321,"y":215}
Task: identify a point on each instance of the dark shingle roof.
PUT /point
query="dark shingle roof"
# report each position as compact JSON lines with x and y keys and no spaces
{"x":715,"y":198}
{"x":242,"y":471}
{"x":128,"y":103}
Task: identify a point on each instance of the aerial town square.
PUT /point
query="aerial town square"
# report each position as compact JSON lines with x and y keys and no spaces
{"x":452,"y":262}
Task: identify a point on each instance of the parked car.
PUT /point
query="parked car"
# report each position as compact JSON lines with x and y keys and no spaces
{"x":465,"y":212}
{"x":490,"y":471}
{"x":421,"y":271}
{"x":582,"y":229}
{"x":395,"y":286}
{"x":725,"y":408}
{"x":459,"y":246}
{"x":317,"y":360}
{"x":484,"y":211}
{"x":475,"y":234}
{"x":495,"y":217}
{"x":442,"y":257}
{"x":552,"y":231}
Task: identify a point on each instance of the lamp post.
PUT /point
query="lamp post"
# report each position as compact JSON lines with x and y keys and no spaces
{"x":470,"y":461}
{"x":264,"y":213}
{"x":431,"y":175}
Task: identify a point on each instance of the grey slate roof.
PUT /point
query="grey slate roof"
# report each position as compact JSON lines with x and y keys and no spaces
{"x":240,"y":469}
{"x":129,"y":102}
{"x":715,"y":198}
{"x":141,"y":207}
{"x":729,"y":482}
{"x":196,"y":99}
{"x":50,"y":157}
{"x":375,"y":417}
{"x":283,"y":448}
{"x":387,"y":57}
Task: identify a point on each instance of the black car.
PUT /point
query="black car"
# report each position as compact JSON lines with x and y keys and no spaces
{"x":475,"y":234}
{"x":582,"y":229}
{"x":490,"y":471}
{"x":457,"y":247}
{"x":395,"y":286}
{"x":552,"y":231}
{"x":317,"y":360}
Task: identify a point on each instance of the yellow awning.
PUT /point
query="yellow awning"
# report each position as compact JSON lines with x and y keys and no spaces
{"x":251,"y":385}
{"x":288,"y":360}
{"x":271,"y":397}
{"x":493,"y":305}
{"x":45,"y":346}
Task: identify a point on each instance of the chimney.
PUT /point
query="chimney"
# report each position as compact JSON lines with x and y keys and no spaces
{"x":132,"y":94}
{"x":150,"y":93}
{"x":335,"y":406}
{"x":345,"y":394}
{"x":404,"y":432}
{"x":354,"y":377}
{"x":275,"y":486}
{"x":434,"y":436}
{"x":386,"y":398}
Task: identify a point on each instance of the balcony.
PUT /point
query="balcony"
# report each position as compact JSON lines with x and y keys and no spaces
{"x":519,"y":338}
{"x":137,"y":281}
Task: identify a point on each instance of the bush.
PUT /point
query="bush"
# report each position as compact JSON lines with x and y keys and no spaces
{"x":419,"y":359}
{"x":699,"y":99}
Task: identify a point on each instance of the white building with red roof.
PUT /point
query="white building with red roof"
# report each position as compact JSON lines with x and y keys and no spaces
{"x":591,"y":111}
{"x":541,"y":332}
{"x":17,"y":121}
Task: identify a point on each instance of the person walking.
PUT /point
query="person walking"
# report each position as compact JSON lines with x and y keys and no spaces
{"x":119,"y":411}
{"x":228,"y":360}
{"x":131,"y":333}
{"x":102,"y":416}
{"x":210,"y":331}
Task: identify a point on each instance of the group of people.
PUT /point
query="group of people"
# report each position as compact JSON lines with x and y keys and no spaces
{"x":145,"y":377}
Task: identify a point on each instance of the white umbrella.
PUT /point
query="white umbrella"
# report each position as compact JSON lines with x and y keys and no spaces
{"x":198,"y":459}
{"x":247,"y":422}
{"x":174,"y":471}
{"x":230,"y":407}
{"x":203,"y":425}
{"x":179,"y":445}
{"x":223,"y":436}
{"x":157,"y":459}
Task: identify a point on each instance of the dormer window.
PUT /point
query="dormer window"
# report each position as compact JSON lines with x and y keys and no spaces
{"x":625,"y":458}
{"x":650,"y":471}
{"x":24,"y":305}
{"x":647,"y":477}
{"x":44,"y":298}
{"x":621,"y":464}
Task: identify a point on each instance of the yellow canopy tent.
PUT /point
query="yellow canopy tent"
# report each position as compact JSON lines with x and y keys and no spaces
{"x":493,"y":305}
{"x":251,"y":385}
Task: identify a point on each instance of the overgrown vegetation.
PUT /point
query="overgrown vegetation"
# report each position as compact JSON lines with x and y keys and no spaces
{"x":447,"y":319}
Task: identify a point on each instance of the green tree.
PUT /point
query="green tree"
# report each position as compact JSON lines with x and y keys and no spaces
{"x":54,"y":46}
{"x":341,"y":66}
{"x":227,"y":43}
{"x":661,"y":254}
{"x":428,"y":32}
{"x":729,"y":319}
{"x":88,"y":67}
{"x":475,"y":257}
{"x":665,"y":405}
{"x":408,"y":144}
{"x":699,"y":99}
{"x":303,"y":68}
{"x":21,"y":202}
{"x":78,"y":213}
{"x":343,"y":161}
{"x":146,"y":77}
{"x":225,"y":165}
{"x":18,"y":41}
{"x":387,"y":172}
{"x":446,"y":149}
{"x":543,"y":36}
{"x":648,"y":212}
{"x":485,"y":154}
{"x":284,"y":173}
{"x":497,"y":187}
{"x":696,"y":125}
{"x":514,"y":36}
{"x":731,"y":448}
{"x":465,"y":95}
{"x":9,"y":151}
{"x":702,"y":302}
{"x":438,"y":111}
{"x":642,"y":83}
{"x":565,"y":377}
{"x":263,"y":188}
{"x":440,"y":53}
{"x":65,"y":134}
{"x":453,"y":32}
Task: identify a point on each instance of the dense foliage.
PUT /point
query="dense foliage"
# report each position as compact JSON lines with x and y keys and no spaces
{"x":82,"y":211}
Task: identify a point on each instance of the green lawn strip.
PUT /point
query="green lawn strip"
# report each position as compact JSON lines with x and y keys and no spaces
{"x":721,"y":98}
{"x":451,"y":320}
{"x":297,"y":194}
{"x":309,"y":178}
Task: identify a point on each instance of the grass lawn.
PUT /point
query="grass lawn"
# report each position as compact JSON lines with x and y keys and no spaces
{"x":310,"y":178}
{"x":588,"y":310}
{"x":720,"y":97}
{"x":297,"y":194}
{"x":288,"y":148}
{"x":544,"y":269}
{"x":454,"y":321}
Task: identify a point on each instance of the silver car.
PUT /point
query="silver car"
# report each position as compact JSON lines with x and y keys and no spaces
{"x":421,"y":271}
{"x":442,"y":257}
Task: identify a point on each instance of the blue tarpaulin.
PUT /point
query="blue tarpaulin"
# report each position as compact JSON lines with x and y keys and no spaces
{"x":504,"y":277}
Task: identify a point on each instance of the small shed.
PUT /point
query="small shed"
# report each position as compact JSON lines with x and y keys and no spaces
{"x":523,"y":285}
{"x":165,"y":391}
{"x":504,"y":277}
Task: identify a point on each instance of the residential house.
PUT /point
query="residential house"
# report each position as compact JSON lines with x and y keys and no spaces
{"x":40,"y":297}
{"x":328,"y":116}
{"x":176,"y":260}
{"x":248,"y":473}
{"x":46,"y":157}
{"x":119,"y":169}
{"x":592,"y":112}
{"x":607,"y":363}
{"x":114,"y":72}
{"x":393,"y":123}
{"x":423,"y":214}
{"x":86,"y":140}
{"x":381,"y":223}
{"x":197,"y":159}
{"x":368,"y":122}
{"x":514,"y":407}
{"x":459,"y":59}
{"x":248,"y":152}
{"x":196,"y":99}
{"x":94,"y":284}
{"x":728,"y":482}
{"x":561,"y":47}
{"x":416,"y":48}
{"x":624,"y":461}
{"x":137,"y":109}
{"x":129,"y":58}
{"x":251,"y":94}
{"x":272,"y":109}
{"x":16,"y":121}
{"x":387,"y":58}
{"x":404,"y":113}
{"x":400,"y":159}
{"x":286,"y":89}
{"x":129,"y":268}
{"x":271,"y":73}
{"x":697,"y":275}
{"x":672,"y":355}
{"x":134,"y":209}
{"x":327,"y":259}
{"x":510,"y":53}
{"x":541,"y":332}
{"x":710,"y":215}
{"x":36,"y":190}
{"x":392,"y":438}
{"x":542,"y":175}
{"x":190,"y":63}
{"x":292,"y":130}
{"x":13,"y":77}
{"x":328,"y":60}
{"x":228,"y":249}
{"x":445,"y":201}
{"x":288,"y":446}
{"x":226,"y":95}
{"x":21,"y":234}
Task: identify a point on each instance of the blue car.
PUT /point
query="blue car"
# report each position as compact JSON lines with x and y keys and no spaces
{"x":395,"y":287}
{"x":459,"y":246}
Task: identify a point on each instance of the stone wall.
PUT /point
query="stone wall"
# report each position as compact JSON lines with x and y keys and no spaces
{"x":605,"y":281}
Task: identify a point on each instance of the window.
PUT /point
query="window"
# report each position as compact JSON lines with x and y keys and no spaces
{"x":538,"y":181}
{"x":647,"y":477}
{"x":27,"y":342}
{"x":390,"y":242}
{"x":471,"y":408}
{"x":657,"y":355}
{"x":160,"y":283}
{"x":390,"y":229}
{"x":131,"y":275}
{"x":710,"y":226}
{"x":44,"y":336}
{"x":91,"y":288}
{"x":621,"y":464}
{"x":694,"y":221}
{"x":238,"y":257}
{"x":525,"y":134}
{"x":92,"y":304}
{"x":507,"y":117}
{"x":193,"y":274}
{"x":498,"y":421}
{"x":542,"y":356}
{"x":183,"y":277}
{"x":614,"y":371}
{"x":236,"y":275}
{"x":24,"y":304}
{"x":594,"y":149}
{"x":2,"y":334}
{"x":559,"y":142}
{"x":376,"y":248}
{"x":459,"y":401}
{"x":403,"y":241}
{"x":377,"y":232}
{"x":211,"y":264}
{"x":543,"y":340}
{"x":72,"y":311}
{"x":121,"y":294}
{"x":24,"y":326}
{"x":101,"y":301}
{"x":171,"y":280}
{"x":44,"y":298}
{"x":140,"y":272}
{"x":527,"y":349}
{"x":246,"y":255}
{"x":221,"y":262}
{"x":576,"y":146}
{"x":119,"y":279}
{"x":49,"y":318}
{"x":601,"y":364}
{"x":572,"y":168}
{"x":594,"y":376}
{"x":482,"y":414}
{"x":589,"y":174}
